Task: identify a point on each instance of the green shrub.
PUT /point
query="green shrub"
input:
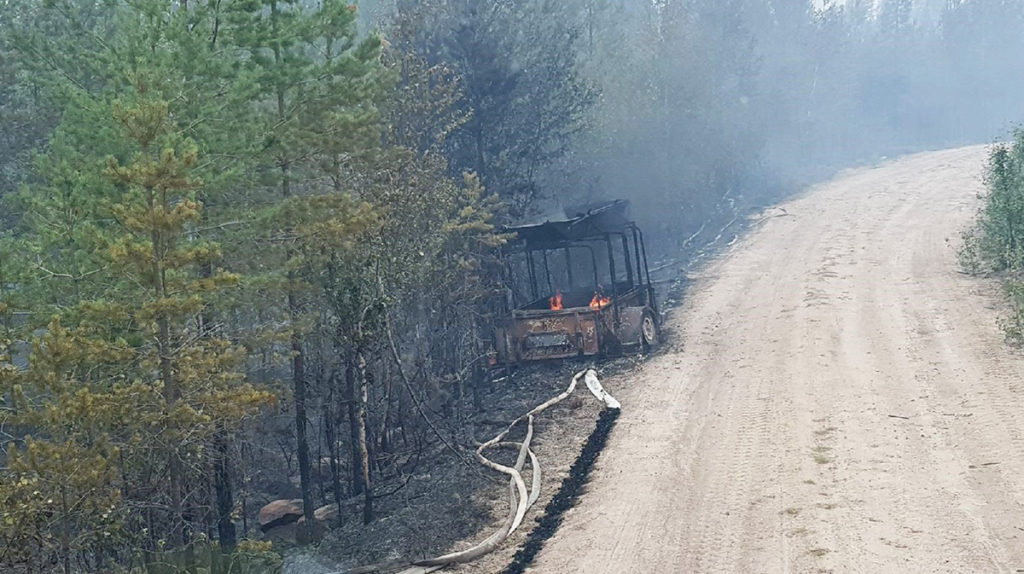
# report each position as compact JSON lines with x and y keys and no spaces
{"x":996,"y":242}
{"x":1001,"y":222}
{"x":969,"y":253}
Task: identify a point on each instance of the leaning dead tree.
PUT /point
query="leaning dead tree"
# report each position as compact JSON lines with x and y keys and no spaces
{"x":521,"y":498}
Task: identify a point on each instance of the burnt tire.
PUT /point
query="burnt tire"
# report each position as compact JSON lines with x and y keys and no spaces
{"x":650,"y":332}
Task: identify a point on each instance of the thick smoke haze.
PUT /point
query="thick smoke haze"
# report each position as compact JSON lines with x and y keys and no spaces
{"x":754,"y":99}
{"x":707,"y":107}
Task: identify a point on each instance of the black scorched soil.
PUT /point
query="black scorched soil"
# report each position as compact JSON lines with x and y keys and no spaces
{"x":568,"y":493}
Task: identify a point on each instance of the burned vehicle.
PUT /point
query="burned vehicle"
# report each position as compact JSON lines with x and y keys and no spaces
{"x":577,"y":286}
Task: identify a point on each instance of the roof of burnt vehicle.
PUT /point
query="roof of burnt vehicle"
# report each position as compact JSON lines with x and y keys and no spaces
{"x":579,"y":223}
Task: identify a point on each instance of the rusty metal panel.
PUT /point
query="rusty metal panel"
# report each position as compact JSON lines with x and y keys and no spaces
{"x":590,"y":337}
{"x":547,"y":337}
{"x":628,"y":330}
{"x":542,"y":335}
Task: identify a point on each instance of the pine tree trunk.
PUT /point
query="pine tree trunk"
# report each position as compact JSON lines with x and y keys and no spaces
{"x":65,"y":535}
{"x":385,"y":423}
{"x":210,"y":510}
{"x":170,"y":389}
{"x":299,"y":394}
{"x":364,"y":453}
{"x":320,"y":444}
{"x":299,"y":390}
{"x":175,"y":471}
{"x":330,"y":429}
{"x":298,"y":359}
{"x":353,"y":424}
{"x":225,"y":496}
{"x":245,"y":500}
{"x":481,"y":171}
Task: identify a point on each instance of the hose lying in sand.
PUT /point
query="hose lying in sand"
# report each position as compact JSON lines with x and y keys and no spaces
{"x":520,"y":499}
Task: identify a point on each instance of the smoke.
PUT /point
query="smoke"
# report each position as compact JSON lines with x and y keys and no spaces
{"x":713,"y":107}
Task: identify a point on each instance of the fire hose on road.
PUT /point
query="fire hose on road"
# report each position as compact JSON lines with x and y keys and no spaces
{"x":521,"y":498}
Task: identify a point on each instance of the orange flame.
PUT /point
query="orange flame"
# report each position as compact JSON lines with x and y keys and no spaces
{"x":600,"y":301}
{"x":556,"y":301}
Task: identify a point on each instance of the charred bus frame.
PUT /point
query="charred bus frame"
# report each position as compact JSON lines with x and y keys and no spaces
{"x":583,"y":319}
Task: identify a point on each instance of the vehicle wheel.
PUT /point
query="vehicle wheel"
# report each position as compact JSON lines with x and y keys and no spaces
{"x":649,"y":332}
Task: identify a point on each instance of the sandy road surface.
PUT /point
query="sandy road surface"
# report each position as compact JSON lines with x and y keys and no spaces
{"x":841,"y":401}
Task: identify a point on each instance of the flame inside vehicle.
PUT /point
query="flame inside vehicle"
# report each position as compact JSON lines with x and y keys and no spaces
{"x":591,"y":247}
{"x":555,"y":302}
{"x":600,"y":301}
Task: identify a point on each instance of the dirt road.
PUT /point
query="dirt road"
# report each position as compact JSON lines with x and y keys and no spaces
{"x":840,"y":400}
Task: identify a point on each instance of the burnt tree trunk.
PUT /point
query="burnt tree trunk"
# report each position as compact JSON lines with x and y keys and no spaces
{"x":353,"y":425}
{"x":245,"y":499}
{"x":330,"y":430}
{"x":364,"y":452}
{"x":385,"y":423}
{"x":299,"y":391}
{"x":225,"y":496}
{"x":320,"y":431}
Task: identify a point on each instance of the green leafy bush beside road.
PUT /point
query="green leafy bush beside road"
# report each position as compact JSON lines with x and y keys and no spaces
{"x":996,"y":243}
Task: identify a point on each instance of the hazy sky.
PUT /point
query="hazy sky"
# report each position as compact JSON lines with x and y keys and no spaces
{"x":923,"y":9}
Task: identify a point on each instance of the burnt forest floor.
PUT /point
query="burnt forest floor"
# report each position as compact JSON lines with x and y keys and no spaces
{"x":448,"y":505}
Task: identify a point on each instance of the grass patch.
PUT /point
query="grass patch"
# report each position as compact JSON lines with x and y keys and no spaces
{"x":826,"y":505}
{"x":791,"y":511}
{"x":825,"y":431}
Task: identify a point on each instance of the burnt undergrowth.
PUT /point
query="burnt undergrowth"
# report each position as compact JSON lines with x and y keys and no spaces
{"x":568,"y":493}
